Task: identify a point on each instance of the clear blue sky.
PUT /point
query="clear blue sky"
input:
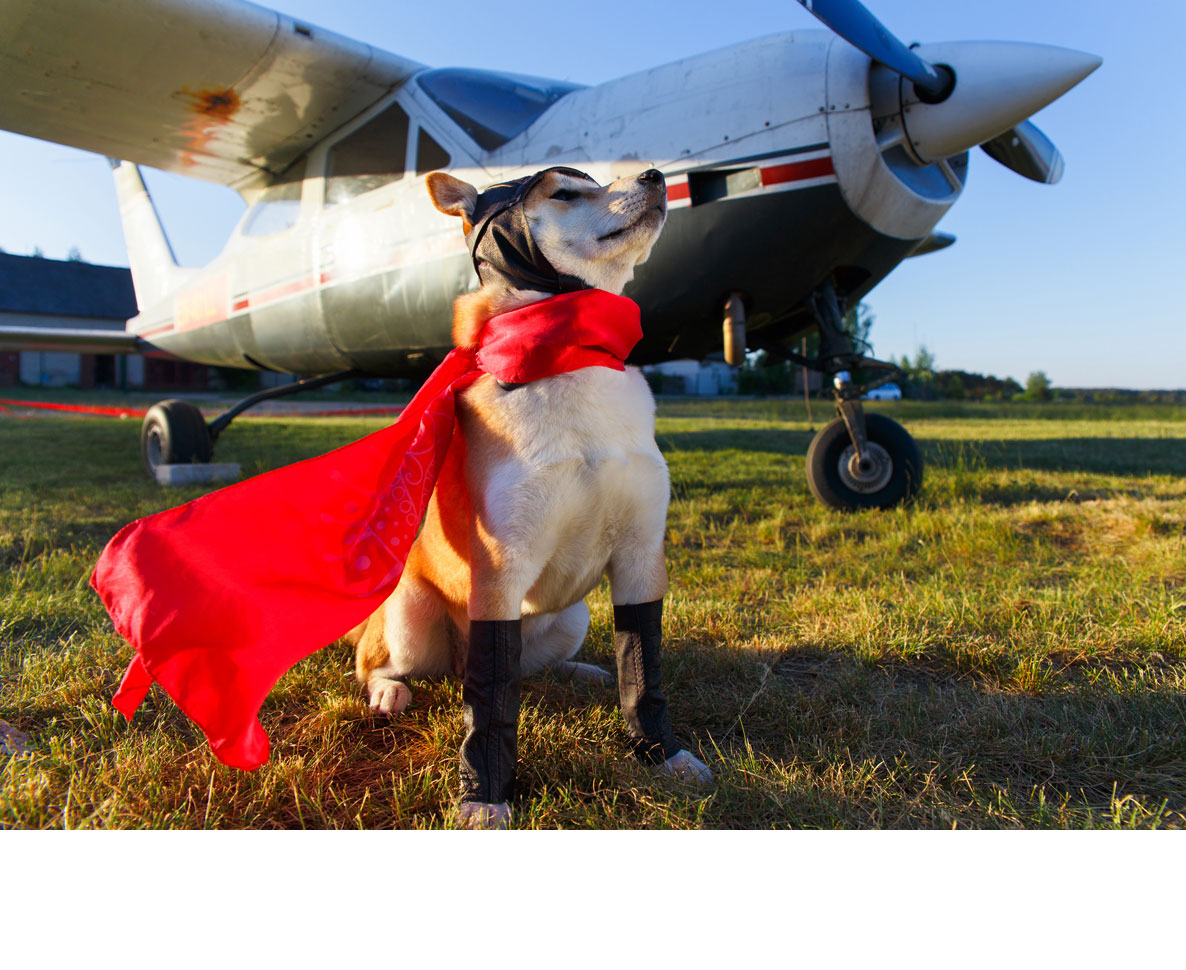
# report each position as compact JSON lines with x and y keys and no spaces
{"x":1076,"y":279}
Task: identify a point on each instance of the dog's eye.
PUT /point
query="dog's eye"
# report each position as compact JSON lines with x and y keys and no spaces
{"x":564,"y":195}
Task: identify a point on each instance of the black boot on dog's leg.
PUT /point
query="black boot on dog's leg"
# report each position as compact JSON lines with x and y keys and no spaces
{"x":491,"y":697}
{"x":638,"y":638}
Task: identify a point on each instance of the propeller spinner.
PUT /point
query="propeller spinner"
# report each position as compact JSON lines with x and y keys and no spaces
{"x":966,"y":94}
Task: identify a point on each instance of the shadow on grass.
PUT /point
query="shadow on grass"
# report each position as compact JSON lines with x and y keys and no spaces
{"x":972,"y":746}
{"x":1104,"y":455}
{"x":770,"y":440}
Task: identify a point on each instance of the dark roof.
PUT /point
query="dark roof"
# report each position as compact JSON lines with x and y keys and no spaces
{"x":65,"y":288}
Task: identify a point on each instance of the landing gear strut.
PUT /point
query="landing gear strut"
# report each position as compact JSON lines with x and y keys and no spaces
{"x":859,"y":460}
{"x":175,"y":433}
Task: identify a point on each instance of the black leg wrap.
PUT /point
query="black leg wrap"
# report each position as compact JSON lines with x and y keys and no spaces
{"x":491,"y":697}
{"x":638,"y":638}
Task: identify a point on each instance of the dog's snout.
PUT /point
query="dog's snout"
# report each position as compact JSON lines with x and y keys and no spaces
{"x":652,"y":175}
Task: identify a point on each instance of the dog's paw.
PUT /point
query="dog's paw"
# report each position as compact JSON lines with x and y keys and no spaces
{"x":686,"y":766}
{"x":388,"y":697}
{"x":482,"y":815}
{"x":578,"y":673}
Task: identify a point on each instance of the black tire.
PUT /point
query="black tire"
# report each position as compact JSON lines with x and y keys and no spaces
{"x":894,"y":478}
{"x":174,"y":433}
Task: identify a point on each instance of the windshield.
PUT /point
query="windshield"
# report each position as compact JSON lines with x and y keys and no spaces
{"x":492,"y":108}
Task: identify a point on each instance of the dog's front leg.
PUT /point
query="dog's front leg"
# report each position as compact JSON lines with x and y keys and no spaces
{"x":638,"y":637}
{"x":490,"y":694}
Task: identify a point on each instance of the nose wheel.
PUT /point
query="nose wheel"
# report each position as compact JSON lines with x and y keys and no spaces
{"x":887,"y":473}
{"x":859,"y":461}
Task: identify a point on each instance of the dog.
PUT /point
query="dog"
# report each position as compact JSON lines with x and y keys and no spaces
{"x":563,"y":483}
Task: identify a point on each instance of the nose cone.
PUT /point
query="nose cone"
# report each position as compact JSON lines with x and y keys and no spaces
{"x":997,"y":85}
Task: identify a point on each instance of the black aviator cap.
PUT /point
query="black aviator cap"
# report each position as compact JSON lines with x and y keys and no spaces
{"x":500,"y":241}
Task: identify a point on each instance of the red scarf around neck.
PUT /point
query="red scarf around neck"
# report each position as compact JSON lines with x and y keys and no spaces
{"x":220,"y":596}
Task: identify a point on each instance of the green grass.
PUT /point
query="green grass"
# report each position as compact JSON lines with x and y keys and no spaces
{"x":1009,"y":652}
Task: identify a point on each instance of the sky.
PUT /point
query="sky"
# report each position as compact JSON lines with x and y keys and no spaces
{"x":1076,"y":280}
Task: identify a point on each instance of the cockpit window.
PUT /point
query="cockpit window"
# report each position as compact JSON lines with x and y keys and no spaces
{"x":279,"y":208}
{"x":429,"y":155}
{"x":492,"y":108}
{"x":368,"y":158}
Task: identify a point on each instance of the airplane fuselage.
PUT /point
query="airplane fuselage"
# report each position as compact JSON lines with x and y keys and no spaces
{"x":776,"y":182}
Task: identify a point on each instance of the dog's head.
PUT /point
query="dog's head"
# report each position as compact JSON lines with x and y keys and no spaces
{"x":557,"y":230}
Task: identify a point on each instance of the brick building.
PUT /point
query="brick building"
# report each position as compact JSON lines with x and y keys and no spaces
{"x":38,"y":292}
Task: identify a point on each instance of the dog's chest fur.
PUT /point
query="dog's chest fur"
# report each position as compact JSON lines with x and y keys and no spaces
{"x":559,"y":468}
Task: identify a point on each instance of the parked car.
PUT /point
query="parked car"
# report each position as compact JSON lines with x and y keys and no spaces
{"x":887,"y":392}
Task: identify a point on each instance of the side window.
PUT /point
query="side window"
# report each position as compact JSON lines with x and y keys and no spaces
{"x":429,"y":155}
{"x":277,"y":209}
{"x":370,"y":157}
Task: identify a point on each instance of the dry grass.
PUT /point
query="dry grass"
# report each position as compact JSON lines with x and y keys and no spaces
{"x":1010,"y":652}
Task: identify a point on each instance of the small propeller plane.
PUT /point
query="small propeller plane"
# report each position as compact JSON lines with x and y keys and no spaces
{"x":801,"y":168}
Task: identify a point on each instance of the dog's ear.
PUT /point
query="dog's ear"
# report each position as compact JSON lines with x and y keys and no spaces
{"x":453,"y":196}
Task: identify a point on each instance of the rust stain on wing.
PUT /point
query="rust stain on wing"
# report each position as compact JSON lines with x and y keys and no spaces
{"x":212,"y":108}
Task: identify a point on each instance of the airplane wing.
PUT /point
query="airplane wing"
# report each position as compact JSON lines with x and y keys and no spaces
{"x":220,"y":90}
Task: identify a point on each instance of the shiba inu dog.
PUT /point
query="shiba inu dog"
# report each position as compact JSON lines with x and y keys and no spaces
{"x":560,"y":482}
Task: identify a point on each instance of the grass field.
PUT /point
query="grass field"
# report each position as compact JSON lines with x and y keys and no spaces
{"x":1009,"y":652}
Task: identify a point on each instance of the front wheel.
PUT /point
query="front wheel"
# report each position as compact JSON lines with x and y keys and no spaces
{"x":890,"y":475}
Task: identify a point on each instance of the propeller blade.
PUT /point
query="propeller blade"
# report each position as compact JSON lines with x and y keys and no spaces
{"x":1026,"y":150}
{"x":855,"y":24}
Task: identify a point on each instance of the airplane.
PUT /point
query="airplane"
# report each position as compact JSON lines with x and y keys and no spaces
{"x":801,"y":168}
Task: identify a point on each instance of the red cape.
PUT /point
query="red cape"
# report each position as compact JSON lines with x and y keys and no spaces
{"x":222,"y":595}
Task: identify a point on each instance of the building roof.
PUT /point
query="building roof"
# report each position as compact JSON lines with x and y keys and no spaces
{"x":65,"y":288}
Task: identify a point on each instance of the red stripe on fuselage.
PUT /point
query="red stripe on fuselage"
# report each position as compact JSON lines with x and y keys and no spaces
{"x":797,"y":171}
{"x":279,"y":292}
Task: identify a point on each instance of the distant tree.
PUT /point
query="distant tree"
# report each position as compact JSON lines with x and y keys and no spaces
{"x":37,"y":253}
{"x":920,"y":374}
{"x":924,"y":362}
{"x":857,"y":323}
{"x":761,"y":376}
{"x":967,"y":385}
{"x":75,"y":255}
{"x":1037,"y":387}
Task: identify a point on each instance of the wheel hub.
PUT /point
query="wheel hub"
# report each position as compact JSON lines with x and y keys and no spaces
{"x":153,"y":447}
{"x":868,"y":474}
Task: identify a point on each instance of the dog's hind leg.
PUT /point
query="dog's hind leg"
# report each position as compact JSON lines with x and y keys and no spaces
{"x":408,"y":636}
{"x":551,"y":640}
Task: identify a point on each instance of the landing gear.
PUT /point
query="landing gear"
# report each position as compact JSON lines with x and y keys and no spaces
{"x":888,"y":473}
{"x":175,"y":433}
{"x":859,"y":461}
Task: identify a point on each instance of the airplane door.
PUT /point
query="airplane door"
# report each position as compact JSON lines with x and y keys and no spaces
{"x":275,"y":282}
{"x":374,"y":246}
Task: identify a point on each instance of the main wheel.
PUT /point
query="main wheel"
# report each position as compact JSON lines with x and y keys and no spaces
{"x":174,"y":433}
{"x":890,"y":475}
